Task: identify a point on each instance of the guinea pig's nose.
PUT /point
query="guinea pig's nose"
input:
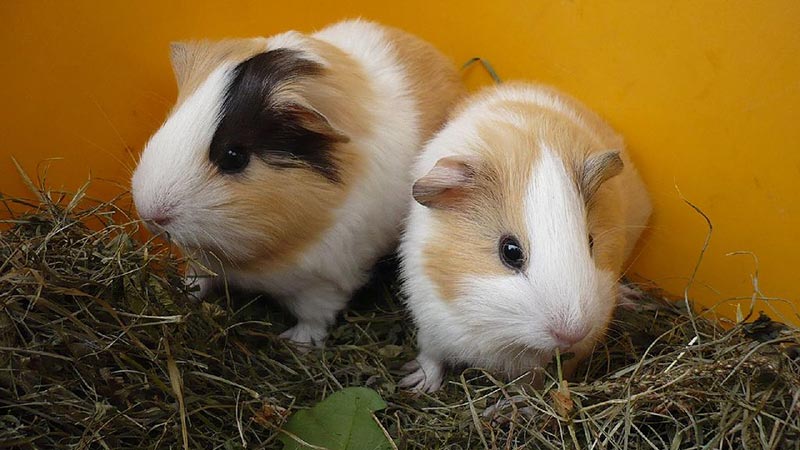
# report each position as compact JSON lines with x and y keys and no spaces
{"x":161,"y":220}
{"x":566,"y":338}
{"x":160,"y":217}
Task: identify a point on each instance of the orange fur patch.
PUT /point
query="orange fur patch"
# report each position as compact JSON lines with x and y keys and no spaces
{"x":342,"y":93}
{"x":284,"y":210}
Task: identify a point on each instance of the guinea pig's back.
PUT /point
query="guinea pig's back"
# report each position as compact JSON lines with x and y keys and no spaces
{"x":432,"y":79}
{"x":406,"y":70}
{"x":402,"y":90}
{"x":413,"y":88}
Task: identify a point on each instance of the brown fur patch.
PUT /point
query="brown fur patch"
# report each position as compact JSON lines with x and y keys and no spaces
{"x":464,"y":242}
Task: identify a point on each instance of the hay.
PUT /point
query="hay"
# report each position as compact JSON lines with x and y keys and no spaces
{"x":101,"y":347}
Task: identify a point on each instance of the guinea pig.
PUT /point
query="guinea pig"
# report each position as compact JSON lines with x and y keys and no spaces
{"x":526,"y":206}
{"x":284,"y":166}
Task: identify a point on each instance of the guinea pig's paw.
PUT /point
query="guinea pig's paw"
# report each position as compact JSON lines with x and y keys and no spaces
{"x":627,"y":296}
{"x":427,"y":375}
{"x":505,"y":410}
{"x":411,"y":366}
{"x":198,"y":286}
{"x":305,"y":335}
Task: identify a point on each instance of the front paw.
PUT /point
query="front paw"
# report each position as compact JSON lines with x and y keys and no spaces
{"x":306,"y":335}
{"x":427,"y":375}
{"x":628,"y":297}
{"x":505,"y":409}
{"x":198,"y":285}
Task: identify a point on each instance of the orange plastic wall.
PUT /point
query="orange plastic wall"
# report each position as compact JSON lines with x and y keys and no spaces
{"x":706,"y":92}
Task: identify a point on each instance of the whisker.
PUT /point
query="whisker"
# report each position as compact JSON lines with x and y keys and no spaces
{"x":114,"y":128}
{"x":122,"y":163}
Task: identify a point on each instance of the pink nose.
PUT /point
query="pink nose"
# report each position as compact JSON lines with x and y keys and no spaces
{"x":161,"y":220}
{"x":567,"y":338}
{"x":160,"y":217}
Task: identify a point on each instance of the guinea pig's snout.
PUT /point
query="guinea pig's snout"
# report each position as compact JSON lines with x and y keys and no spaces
{"x":566,"y":337}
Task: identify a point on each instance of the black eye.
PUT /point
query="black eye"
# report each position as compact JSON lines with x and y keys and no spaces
{"x":591,"y":243}
{"x":511,"y":253}
{"x":233,"y":160}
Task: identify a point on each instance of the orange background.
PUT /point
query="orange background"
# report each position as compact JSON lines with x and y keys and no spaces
{"x":706,"y":93}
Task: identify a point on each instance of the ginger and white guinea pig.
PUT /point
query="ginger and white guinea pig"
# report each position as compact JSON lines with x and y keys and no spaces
{"x":284,"y":166}
{"x":526,"y":208}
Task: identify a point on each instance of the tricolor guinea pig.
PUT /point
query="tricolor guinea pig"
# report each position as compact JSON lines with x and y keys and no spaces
{"x":526,"y":208}
{"x":284,"y":166}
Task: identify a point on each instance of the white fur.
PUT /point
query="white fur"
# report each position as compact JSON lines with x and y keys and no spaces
{"x":172,"y":166}
{"x":504,"y":322}
{"x":366,"y":227}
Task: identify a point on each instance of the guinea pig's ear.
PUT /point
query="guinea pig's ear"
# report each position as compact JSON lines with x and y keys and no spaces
{"x":312,"y":120}
{"x":447,"y":183}
{"x":180,"y":54}
{"x":599,"y":168}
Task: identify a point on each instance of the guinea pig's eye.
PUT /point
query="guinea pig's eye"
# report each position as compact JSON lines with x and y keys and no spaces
{"x":233,"y":160}
{"x":591,"y":244}
{"x":511,"y":253}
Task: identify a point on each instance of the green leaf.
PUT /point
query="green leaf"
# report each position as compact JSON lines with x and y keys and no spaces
{"x":343,"y":421}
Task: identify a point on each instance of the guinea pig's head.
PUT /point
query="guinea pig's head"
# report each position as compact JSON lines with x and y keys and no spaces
{"x":525,"y":243}
{"x":244,"y":167}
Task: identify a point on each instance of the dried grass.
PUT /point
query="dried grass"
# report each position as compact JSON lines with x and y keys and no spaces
{"x":101,"y":347}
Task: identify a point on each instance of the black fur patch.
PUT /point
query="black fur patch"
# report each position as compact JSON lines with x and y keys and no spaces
{"x":252,"y":124}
